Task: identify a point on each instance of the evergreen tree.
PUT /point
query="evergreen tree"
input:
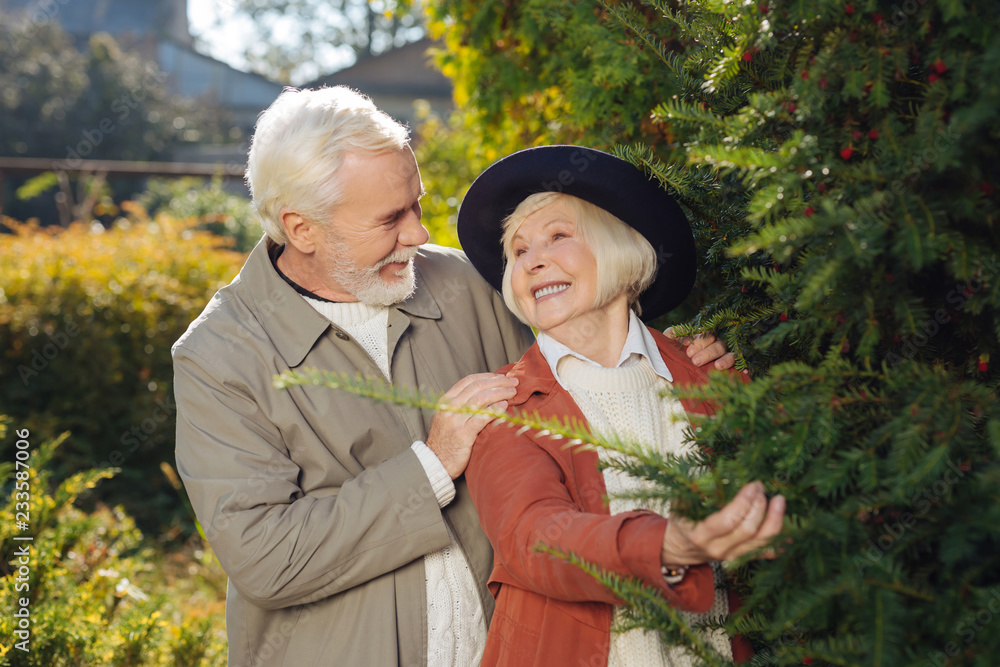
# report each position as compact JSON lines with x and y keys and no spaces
{"x":837,"y":161}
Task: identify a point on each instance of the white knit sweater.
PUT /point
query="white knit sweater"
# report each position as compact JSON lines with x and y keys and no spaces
{"x":456,"y":625}
{"x":625,"y":400}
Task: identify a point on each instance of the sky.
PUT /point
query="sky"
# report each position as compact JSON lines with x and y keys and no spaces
{"x":222,"y":32}
{"x":219,"y":28}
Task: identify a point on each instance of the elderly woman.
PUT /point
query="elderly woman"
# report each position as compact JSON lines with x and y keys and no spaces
{"x":582,"y":243}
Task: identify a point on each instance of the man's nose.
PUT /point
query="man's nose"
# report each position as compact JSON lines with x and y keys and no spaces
{"x":412,"y":232}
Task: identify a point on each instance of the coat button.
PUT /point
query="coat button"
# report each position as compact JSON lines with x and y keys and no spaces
{"x":342,"y":336}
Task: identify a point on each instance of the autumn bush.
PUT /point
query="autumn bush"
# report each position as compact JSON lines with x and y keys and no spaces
{"x":87,"y":318}
{"x":85,"y":588}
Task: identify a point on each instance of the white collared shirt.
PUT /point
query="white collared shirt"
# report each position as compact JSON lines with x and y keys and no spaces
{"x":638,"y":341}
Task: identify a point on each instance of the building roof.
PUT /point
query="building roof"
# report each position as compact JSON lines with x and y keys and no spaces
{"x":405,"y":70}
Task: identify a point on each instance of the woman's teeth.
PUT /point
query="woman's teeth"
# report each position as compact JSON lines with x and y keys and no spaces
{"x":551,"y":289}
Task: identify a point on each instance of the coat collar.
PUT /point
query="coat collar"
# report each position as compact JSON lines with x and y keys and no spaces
{"x":535,"y":376}
{"x":292,"y":324}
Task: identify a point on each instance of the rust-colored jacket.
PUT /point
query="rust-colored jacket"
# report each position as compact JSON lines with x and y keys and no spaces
{"x":530,"y":489}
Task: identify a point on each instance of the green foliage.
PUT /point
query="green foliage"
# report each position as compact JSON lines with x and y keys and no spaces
{"x":214,"y":208}
{"x":837,"y":162}
{"x":87,"y":318}
{"x":84,"y":582}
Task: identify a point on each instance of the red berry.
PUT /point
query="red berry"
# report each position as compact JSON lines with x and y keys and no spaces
{"x":931,"y":78}
{"x":791,"y":107}
{"x":983,"y":367}
{"x":939,"y":66}
{"x":821,"y":187}
{"x":986,"y":188}
{"x":845,"y":347}
{"x":847,"y":153}
{"x":889,"y":277}
{"x":804,"y":75}
{"x":744,"y":289}
{"x":783,"y":317}
{"x":822,"y":83}
{"x":762,"y":7}
{"x":841,"y":319}
{"x":877,"y":18}
{"x":873,"y":134}
{"x":856,"y":134}
{"x":809,"y":211}
{"x":748,"y":56}
{"x":807,"y":660}
{"x":848,"y":8}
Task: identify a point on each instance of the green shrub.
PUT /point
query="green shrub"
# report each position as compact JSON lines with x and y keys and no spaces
{"x":216,"y":209}
{"x":93,"y":590}
{"x":87,"y":318}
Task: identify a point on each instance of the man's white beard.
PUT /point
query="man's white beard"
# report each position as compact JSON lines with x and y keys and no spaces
{"x":364,"y":282}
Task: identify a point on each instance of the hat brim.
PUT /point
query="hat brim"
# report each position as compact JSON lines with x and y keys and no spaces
{"x":594,"y":176}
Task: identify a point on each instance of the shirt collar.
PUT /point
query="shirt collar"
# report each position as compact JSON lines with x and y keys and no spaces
{"x":638,"y":341}
{"x":289,"y":320}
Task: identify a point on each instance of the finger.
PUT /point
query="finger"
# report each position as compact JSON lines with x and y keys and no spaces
{"x":705,"y":352}
{"x":775,"y":519}
{"x":669,"y":333}
{"x":730,"y":518}
{"x":495,"y":408}
{"x":481,"y":382}
{"x":462,"y":384}
{"x":765,"y":533}
{"x":484,"y":396}
{"x":726,"y":361}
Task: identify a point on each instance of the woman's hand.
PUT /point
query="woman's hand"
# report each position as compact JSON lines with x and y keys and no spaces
{"x":746,"y":524}
{"x":705,"y":349}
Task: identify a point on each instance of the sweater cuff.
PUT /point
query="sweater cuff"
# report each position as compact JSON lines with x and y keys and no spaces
{"x":441,"y":483}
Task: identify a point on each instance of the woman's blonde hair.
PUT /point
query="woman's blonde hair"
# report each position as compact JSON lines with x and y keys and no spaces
{"x":626,"y":262}
{"x":300,"y":142}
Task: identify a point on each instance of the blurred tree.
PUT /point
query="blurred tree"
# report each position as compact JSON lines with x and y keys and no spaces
{"x":99,"y":103}
{"x":103,"y":102}
{"x":292,"y":37}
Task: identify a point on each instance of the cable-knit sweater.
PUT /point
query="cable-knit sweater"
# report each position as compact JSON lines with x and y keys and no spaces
{"x":626,"y":401}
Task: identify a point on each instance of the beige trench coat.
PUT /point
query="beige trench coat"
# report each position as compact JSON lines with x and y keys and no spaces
{"x":312,"y":499}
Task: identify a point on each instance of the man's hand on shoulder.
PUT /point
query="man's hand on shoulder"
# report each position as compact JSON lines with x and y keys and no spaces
{"x":705,"y":349}
{"x":452,"y":434}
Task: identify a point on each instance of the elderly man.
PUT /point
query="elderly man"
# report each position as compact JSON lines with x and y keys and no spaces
{"x":343,"y":524}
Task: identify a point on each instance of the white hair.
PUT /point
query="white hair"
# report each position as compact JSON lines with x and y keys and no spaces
{"x":300,"y":142}
{"x":626,"y":261}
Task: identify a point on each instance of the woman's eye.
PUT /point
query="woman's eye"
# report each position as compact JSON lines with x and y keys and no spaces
{"x":518,"y":252}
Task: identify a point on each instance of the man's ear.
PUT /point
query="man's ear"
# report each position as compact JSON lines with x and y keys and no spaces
{"x":300,"y":231}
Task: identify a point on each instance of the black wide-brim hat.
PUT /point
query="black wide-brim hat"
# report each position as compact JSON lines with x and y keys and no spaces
{"x":599,"y":178}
